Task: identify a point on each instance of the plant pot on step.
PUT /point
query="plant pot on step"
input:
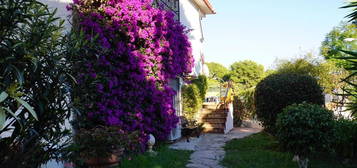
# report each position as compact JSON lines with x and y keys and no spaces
{"x":101,"y":146}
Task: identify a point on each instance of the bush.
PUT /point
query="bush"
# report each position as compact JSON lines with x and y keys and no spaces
{"x":101,"y":141}
{"x":191,"y":101}
{"x":238,"y":111}
{"x":247,"y":98}
{"x":243,"y":106}
{"x":33,"y":84}
{"x":305,"y":128}
{"x":346,"y":138}
{"x":277,"y":91}
{"x":202,"y":85}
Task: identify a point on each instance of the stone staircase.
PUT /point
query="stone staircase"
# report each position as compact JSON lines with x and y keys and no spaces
{"x":213,"y":116}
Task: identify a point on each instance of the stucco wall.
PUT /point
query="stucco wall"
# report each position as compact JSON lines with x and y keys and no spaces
{"x":62,"y":12}
{"x":191,"y":17}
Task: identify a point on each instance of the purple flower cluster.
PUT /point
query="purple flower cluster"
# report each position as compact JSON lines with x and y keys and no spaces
{"x":143,"y":48}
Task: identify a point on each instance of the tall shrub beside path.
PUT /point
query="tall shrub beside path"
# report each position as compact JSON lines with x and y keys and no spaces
{"x":202,"y":84}
{"x":123,"y":78}
{"x":277,"y":91}
{"x":191,"y":101}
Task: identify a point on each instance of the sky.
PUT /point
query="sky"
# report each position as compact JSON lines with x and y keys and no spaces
{"x":266,"y":30}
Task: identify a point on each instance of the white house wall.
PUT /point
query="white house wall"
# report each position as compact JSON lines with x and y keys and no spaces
{"x":190,"y":16}
{"x":62,"y":11}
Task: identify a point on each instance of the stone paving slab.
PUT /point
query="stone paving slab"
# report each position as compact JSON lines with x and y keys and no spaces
{"x":182,"y":144}
{"x":209,"y":147}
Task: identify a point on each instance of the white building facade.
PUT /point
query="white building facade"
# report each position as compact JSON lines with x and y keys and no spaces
{"x":190,"y":13}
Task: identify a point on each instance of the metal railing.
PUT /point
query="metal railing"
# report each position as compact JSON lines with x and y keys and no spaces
{"x":170,"y":5}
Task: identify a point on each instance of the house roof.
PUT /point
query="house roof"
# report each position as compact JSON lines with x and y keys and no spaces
{"x":205,"y":6}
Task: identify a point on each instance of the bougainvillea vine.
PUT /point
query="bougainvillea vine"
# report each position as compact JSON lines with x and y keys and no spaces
{"x":141,"y":49}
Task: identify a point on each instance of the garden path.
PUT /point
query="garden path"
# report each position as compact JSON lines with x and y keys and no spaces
{"x":209,"y":147}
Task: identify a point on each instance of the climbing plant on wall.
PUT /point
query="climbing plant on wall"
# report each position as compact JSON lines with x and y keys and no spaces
{"x":123,"y":78}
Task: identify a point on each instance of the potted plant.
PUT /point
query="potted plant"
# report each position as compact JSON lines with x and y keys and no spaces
{"x":101,"y":146}
{"x":191,"y":128}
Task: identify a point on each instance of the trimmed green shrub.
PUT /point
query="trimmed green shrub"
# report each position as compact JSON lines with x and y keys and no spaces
{"x":238,"y":111}
{"x":346,"y":138}
{"x":202,"y":85}
{"x":243,"y":106}
{"x":277,"y":91}
{"x":303,"y":129}
{"x":191,"y":101}
{"x":247,"y":98}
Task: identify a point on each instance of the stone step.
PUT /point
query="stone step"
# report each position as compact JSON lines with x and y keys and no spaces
{"x":213,"y":130}
{"x":211,"y":106}
{"x":215,"y":115}
{"x":214,"y":125}
{"x":207,"y":111}
{"x":214,"y":120}
{"x":214,"y":109}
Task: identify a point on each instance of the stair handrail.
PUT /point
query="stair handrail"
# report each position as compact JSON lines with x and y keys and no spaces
{"x":228,"y":104}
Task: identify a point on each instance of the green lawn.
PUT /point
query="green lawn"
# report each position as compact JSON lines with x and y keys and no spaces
{"x":165,"y":158}
{"x":261,"y":151}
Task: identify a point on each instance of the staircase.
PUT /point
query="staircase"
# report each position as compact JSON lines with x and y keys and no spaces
{"x":213,"y":116}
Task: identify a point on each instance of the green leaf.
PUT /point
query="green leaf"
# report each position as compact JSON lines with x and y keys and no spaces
{"x":72,"y":77}
{"x":27,"y":106}
{"x":13,"y":115}
{"x":34,"y":61}
{"x":2,"y":118}
{"x":352,"y":4}
{"x":19,"y":74}
{"x":3,"y":96}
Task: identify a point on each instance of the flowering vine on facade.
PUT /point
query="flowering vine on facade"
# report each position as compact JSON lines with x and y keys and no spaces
{"x":141,"y":49}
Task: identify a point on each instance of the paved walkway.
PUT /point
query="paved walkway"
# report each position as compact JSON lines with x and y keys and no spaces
{"x":209,"y":147}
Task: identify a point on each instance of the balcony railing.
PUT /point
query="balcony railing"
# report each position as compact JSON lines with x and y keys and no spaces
{"x":171,"y":5}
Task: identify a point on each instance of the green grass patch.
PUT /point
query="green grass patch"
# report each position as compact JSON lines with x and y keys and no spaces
{"x":165,"y":158}
{"x":262,"y":151}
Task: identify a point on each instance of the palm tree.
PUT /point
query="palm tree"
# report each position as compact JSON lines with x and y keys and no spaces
{"x":353,"y":15}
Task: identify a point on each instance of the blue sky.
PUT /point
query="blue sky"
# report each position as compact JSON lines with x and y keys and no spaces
{"x":264,"y":30}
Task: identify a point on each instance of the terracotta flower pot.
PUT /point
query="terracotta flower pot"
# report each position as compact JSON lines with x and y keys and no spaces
{"x":103,"y":162}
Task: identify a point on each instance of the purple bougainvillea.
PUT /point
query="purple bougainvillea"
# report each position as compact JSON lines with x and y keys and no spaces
{"x":142,"y":48}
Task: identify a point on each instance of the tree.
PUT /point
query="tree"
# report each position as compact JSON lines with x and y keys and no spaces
{"x":246,"y":74}
{"x":353,"y":15}
{"x":277,"y":91}
{"x":269,"y":72}
{"x":217,"y":70}
{"x":326,"y":73}
{"x":351,"y":90}
{"x":352,"y":58}
{"x":340,"y":38}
